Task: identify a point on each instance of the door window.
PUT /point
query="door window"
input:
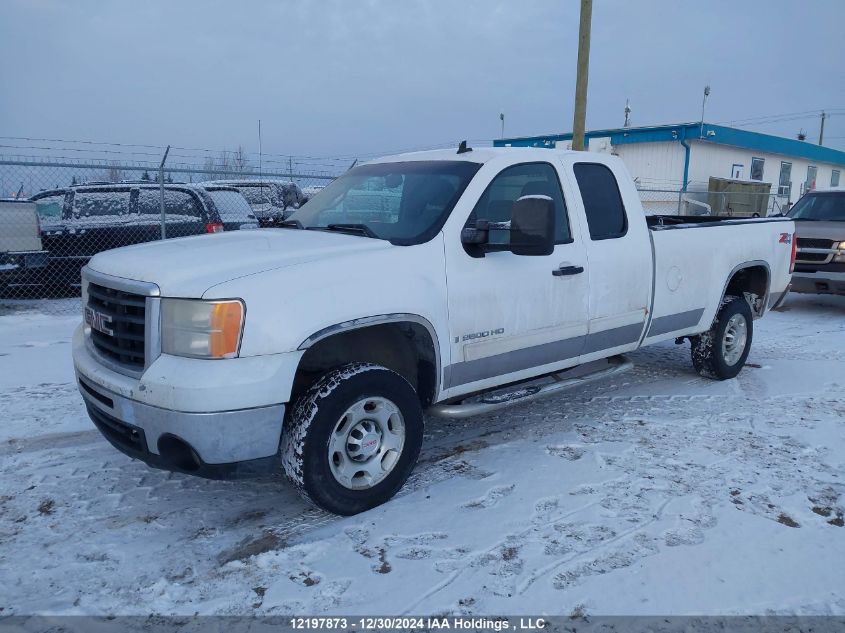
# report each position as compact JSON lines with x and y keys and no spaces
{"x":179,"y":206}
{"x":49,"y":209}
{"x":602,"y":201}
{"x":102,"y":204}
{"x":511,"y":184}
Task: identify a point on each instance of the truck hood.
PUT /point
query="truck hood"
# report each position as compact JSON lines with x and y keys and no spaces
{"x":820,"y":230}
{"x":187,"y":267}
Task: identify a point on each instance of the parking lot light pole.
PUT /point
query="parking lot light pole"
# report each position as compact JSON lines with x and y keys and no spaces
{"x":161,"y":191}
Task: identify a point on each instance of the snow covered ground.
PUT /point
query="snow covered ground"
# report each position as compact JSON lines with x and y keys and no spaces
{"x":658,"y":492}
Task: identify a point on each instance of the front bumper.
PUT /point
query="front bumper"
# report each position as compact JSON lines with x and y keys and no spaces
{"x":220,"y":445}
{"x":821,"y":282}
{"x":215,"y":419}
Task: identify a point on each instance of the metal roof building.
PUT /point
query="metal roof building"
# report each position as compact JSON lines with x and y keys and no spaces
{"x":684,"y":156}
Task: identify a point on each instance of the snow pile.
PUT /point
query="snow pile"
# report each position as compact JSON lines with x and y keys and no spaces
{"x":658,"y":492}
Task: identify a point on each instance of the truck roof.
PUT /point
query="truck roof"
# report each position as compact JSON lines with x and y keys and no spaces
{"x":477,"y":155}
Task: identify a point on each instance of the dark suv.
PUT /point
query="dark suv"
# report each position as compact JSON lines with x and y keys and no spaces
{"x":80,"y":221}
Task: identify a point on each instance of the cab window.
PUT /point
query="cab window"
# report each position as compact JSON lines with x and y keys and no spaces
{"x":602,"y":201}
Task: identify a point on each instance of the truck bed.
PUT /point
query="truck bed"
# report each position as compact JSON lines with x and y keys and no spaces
{"x":663,"y":222}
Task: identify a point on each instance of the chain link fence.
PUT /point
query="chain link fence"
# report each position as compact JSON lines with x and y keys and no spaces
{"x":56,"y":214}
{"x":718,"y":203}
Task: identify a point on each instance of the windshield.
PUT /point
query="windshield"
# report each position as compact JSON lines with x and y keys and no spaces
{"x":405,"y":203}
{"x":820,"y":206}
{"x":257,"y":194}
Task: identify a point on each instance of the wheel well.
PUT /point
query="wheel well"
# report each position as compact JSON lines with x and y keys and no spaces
{"x":752,"y":283}
{"x":403,"y":346}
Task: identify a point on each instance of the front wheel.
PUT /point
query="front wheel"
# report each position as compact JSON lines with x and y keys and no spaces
{"x":351,"y":441}
{"x":721,"y":352}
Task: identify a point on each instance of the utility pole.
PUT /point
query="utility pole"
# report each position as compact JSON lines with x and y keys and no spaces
{"x":627,"y":114}
{"x":821,"y":130}
{"x":703,"y":103}
{"x":583,"y":71}
{"x":502,"y":118}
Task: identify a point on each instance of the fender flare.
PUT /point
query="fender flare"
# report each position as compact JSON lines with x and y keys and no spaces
{"x":396,"y":317}
{"x":751,"y":264}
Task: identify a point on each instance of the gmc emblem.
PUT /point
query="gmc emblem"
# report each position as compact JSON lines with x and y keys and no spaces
{"x":98,"y":321}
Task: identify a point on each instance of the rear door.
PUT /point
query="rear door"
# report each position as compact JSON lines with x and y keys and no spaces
{"x":619,"y":255}
{"x":512,"y":316}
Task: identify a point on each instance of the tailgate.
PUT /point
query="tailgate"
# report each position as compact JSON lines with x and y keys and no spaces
{"x":19,"y":230}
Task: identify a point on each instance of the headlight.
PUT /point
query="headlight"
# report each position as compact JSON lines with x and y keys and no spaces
{"x":201,"y":329}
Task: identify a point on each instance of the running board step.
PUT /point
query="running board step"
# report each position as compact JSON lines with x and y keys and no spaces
{"x":500,"y":399}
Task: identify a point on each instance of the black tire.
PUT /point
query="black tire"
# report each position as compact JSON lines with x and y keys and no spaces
{"x":312,"y":419}
{"x":708,"y":351}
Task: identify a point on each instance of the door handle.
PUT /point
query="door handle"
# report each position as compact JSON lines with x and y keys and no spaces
{"x":564,"y":271}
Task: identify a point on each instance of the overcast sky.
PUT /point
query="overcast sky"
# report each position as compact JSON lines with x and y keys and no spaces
{"x":345,"y":77}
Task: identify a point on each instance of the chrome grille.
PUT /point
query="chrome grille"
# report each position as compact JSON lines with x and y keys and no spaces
{"x":117,"y":320}
{"x":805,"y":242}
{"x":812,"y":257}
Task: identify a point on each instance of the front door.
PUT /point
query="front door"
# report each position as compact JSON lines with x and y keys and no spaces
{"x":513,"y":315}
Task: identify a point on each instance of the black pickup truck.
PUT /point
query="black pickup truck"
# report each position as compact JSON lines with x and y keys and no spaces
{"x":80,"y":221}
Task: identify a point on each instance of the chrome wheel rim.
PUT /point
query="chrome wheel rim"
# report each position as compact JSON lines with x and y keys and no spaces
{"x":366,"y":443}
{"x":734,"y":339}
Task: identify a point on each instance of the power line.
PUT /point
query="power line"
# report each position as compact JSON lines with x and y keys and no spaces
{"x":788,"y":116}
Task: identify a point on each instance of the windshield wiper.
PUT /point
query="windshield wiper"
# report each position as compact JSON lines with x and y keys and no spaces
{"x":355,"y":229}
{"x":805,"y":219}
{"x":290,"y":224}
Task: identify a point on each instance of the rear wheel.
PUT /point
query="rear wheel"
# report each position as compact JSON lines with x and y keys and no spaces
{"x":721,"y":352}
{"x":353,"y":438}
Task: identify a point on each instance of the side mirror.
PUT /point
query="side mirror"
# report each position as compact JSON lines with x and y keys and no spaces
{"x":533,"y":226}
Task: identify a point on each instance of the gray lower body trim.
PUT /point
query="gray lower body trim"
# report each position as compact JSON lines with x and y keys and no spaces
{"x":613,"y":337}
{"x":218,"y":437}
{"x":538,"y":355}
{"x":675,"y":322}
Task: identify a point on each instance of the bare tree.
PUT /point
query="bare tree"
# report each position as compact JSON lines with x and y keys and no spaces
{"x":225,"y":162}
{"x":240,"y":162}
{"x":113,"y":173}
{"x":210,"y":168}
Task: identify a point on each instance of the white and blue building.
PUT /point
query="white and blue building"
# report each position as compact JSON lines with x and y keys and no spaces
{"x":684,"y":156}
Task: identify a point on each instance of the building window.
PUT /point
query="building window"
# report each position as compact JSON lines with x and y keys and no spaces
{"x":602,"y":201}
{"x":785,"y":180}
{"x":810,"y":183}
{"x":834,"y":178}
{"x":757,"y":168}
{"x":736,"y":171}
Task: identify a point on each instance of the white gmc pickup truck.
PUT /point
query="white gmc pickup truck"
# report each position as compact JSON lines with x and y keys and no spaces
{"x":452,"y":282}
